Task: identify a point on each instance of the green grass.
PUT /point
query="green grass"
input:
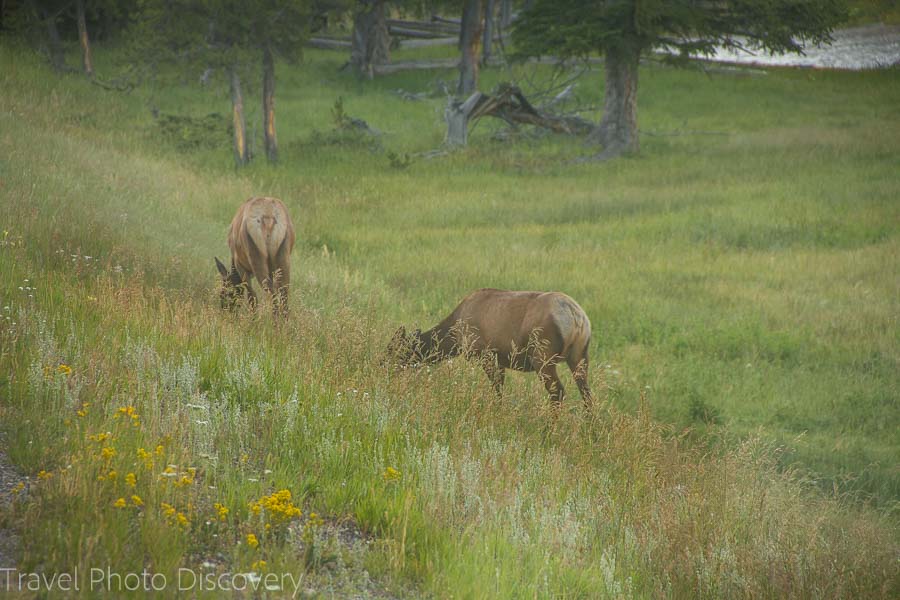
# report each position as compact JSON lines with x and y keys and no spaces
{"x":741,"y":275}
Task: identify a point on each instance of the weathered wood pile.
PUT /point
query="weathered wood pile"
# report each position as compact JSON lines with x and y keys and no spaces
{"x":439,"y":30}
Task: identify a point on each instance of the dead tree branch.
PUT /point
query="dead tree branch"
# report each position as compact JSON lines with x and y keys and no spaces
{"x":509,"y":104}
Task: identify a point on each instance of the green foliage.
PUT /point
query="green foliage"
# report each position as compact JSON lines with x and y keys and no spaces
{"x":397,"y":161}
{"x":189,"y":134}
{"x":701,"y":412}
{"x":220,"y":33}
{"x":581,"y":27}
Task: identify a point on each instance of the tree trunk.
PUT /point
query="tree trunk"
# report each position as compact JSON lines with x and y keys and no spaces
{"x":505,"y":13}
{"x":271,"y":140}
{"x":618,"y":132}
{"x":54,"y":45}
{"x":469,"y":46}
{"x":488,"y":43}
{"x":241,"y":152}
{"x":86,"y":60}
{"x":457,"y":114}
{"x":371,"y":41}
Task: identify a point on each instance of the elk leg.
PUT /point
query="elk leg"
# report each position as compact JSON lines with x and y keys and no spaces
{"x":245,"y":283}
{"x":580,"y":373}
{"x":496,"y":374}
{"x":281,"y":280}
{"x":251,"y":295}
{"x":547,"y":373}
{"x":282,"y":277}
{"x":261,"y":272}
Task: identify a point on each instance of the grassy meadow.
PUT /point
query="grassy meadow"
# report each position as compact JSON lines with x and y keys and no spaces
{"x":742,"y":275}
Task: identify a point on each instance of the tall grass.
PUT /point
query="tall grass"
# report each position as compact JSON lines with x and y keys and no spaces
{"x":744,"y":285}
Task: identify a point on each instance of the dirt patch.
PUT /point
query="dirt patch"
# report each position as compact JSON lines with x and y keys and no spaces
{"x":338,"y":560}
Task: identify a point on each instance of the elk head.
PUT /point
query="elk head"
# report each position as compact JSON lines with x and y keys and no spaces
{"x":233,"y":287}
{"x":405,"y":349}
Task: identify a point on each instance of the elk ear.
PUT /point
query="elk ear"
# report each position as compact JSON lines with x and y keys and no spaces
{"x":222,"y":270}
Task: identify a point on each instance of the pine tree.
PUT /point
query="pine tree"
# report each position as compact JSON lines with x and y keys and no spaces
{"x":624,"y":30}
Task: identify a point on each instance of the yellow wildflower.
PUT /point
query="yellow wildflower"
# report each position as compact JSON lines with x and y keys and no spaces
{"x":278,"y":507}
{"x":221,"y":511}
{"x":19,"y":487}
{"x":131,"y":480}
{"x":391,"y":474}
{"x":99,"y":437}
{"x":42,"y":474}
{"x":182,"y":520}
{"x":146,"y":457}
{"x":259,"y":565}
{"x":252,"y":541}
{"x":168,"y":509}
{"x":128,"y":411}
{"x":107,"y":452}
{"x":120,"y":503}
{"x":158,"y":450}
{"x":112,"y":475}
{"x":137,"y":500}
{"x":64,"y":369}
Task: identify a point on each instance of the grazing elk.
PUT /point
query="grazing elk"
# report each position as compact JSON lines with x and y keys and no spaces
{"x":525,"y":331}
{"x":261,"y":238}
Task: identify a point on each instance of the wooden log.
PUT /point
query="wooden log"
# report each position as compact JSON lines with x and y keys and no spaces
{"x":419,"y":43}
{"x":415,"y":65}
{"x":452,"y":21}
{"x":413,"y":33}
{"x":446,"y":28}
{"x":328,"y":44}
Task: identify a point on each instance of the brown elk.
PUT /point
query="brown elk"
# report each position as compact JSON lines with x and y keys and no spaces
{"x":524,"y":331}
{"x":261,"y":238}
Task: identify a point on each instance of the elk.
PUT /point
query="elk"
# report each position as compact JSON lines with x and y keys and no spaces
{"x":524,"y":331}
{"x":261,"y":238}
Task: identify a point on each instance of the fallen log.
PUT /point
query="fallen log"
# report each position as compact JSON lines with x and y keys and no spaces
{"x":448,"y":20}
{"x":415,"y":65}
{"x":445,"y":28}
{"x":415,"y":33}
{"x":509,"y":104}
{"x":443,"y":41}
{"x":328,"y":44}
